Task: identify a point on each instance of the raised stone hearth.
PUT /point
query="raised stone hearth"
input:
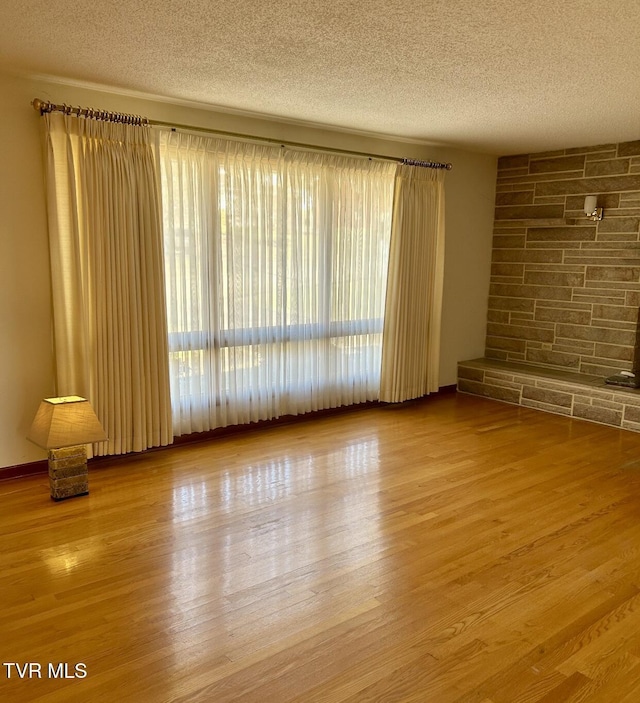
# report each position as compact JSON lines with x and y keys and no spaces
{"x":562,"y":392}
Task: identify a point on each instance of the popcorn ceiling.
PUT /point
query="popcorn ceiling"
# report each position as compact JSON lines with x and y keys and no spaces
{"x":497,"y":76}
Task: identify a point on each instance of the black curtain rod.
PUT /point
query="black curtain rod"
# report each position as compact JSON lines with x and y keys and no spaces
{"x":43,"y":106}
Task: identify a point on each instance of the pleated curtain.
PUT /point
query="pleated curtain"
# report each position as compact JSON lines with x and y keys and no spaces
{"x":411,"y":340}
{"x":276,"y":263}
{"x":110,"y":331}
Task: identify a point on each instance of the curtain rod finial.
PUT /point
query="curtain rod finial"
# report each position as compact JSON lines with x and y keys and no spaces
{"x":39,"y":105}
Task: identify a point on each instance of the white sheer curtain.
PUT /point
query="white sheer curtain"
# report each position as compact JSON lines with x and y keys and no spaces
{"x":110,"y":332}
{"x":276,"y":265}
{"x":411,"y":344}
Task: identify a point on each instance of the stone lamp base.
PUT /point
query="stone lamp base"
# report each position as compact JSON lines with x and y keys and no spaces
{"x":68,"y":473}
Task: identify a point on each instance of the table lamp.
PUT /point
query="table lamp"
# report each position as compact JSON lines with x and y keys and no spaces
{"x":64,"y":426}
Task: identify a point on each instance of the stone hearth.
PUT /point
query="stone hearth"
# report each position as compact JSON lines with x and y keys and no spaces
{"x":572,"y":394}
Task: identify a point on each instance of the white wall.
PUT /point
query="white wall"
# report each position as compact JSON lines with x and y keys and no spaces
{"x":25,"y":301}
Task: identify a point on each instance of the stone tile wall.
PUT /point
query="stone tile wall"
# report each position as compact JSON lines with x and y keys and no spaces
{"x":565,"y":291}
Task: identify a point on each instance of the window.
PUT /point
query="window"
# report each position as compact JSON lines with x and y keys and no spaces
{"x":275,"y":262}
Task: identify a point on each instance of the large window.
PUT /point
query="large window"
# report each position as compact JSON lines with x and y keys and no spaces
{"x":276,"y":264}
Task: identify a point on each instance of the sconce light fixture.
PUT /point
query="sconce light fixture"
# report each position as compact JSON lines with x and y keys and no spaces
{"x":591,"y":210}
{"x":64,"y":426}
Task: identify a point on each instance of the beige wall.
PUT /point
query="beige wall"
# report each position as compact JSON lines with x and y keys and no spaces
{"x":25,"y":301}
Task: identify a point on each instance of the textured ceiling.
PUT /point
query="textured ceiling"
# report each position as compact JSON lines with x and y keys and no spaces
{"x":499,"y":76}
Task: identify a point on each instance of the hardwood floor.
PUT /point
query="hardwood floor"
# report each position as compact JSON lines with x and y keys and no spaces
{"x":456,"y":549}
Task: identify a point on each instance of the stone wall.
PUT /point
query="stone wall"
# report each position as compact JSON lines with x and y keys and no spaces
{"x":565,"y":291}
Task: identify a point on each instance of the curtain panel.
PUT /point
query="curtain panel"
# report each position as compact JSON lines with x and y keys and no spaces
{"x":411,"y":341}
{"x":110,"y":332}
{"x":276,"y":262}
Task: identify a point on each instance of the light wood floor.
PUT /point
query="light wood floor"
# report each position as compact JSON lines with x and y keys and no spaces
{"x":456,"y":549}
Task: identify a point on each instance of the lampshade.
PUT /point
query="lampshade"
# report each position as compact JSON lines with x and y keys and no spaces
{"x":590,"y":203}
{"x":65,"y":422}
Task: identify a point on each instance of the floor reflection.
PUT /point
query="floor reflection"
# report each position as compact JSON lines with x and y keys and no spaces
{"x":259,"y":540}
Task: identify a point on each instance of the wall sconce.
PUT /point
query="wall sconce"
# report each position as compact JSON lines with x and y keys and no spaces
{"x":590,"y":208}
{"x":64,"y":426}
